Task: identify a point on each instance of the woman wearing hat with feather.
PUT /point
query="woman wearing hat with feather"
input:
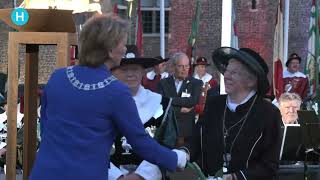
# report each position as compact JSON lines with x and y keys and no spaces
{"x":241,"y":129}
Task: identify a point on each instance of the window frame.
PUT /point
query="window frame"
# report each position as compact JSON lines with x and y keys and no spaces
{"x":154,"y":17}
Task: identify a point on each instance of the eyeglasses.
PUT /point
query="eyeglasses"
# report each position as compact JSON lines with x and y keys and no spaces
{"x":183,"y":66}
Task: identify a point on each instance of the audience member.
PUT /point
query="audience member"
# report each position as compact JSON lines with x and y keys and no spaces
{"x":185,"y":92}
{"x":151,"y":79}
{"x":289,"y":104}
{"x":293,"y":80}
{"x":200,"y":72}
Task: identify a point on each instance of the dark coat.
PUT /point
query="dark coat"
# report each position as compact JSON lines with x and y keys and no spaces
{"x":255,"y":153}
{"x":167,"y":88}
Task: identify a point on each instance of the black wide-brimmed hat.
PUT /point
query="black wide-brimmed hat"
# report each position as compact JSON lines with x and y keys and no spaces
{"x":292,"y":57}
{"x":249,"y":58}
{"x":161,"y":59}
{"x":201,"y":61}
{"x":132,"y":56}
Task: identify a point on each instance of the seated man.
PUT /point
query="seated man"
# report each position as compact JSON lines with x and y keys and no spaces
{"x":289,"y":104}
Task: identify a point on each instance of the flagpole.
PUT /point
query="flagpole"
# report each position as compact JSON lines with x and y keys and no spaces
{"x":162,"y":25}
{"x":286,"y":31}
{"x":225,"y":32}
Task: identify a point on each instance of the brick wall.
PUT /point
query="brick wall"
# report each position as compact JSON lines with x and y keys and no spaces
{"x":209,"y":35}
{"x":256,"y":27}
{"x":299,"y":28}
{"x":180,"y":24}
{"x":210,"y":28}
{"x":151,"y":46}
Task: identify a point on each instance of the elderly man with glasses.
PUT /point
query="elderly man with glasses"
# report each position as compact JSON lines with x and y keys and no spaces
{"x":185,"y":92}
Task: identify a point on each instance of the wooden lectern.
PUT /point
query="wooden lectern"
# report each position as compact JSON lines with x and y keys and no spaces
{"x":32,"y":40}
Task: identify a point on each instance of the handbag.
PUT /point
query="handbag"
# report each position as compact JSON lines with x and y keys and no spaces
{"x":167,"y":133}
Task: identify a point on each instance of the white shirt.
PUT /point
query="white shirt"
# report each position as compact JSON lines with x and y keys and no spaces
{"x":150,"y":75}
{"x":286,"y":74}
{"x":206,"y":78}
{"x":232,"y":106}
{"x":178,"y":84}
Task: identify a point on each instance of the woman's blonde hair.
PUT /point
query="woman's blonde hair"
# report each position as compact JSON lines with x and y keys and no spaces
{"x":100,"y":34}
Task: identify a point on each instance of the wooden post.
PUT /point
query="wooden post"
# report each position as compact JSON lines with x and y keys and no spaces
{"x":11,"y":158}
{"x":30,"y":108}
{"x":32,"y":40}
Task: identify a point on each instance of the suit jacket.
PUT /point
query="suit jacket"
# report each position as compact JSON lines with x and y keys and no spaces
{"x":167,"y":88}
{"x":255,"y":154}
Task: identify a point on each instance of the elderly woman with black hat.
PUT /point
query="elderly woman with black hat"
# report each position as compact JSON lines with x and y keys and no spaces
{"x":241,"y":129}
{"x":151,"y":109}
{"x":295,"y":81}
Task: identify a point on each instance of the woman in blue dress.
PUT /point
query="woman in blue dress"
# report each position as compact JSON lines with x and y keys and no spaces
{"x":83,"y":107}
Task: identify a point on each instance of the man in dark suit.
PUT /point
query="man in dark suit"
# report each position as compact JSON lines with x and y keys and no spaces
{"x":185,"y":92}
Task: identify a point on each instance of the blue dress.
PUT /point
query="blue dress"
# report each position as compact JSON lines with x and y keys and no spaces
{"x":82,"y":109}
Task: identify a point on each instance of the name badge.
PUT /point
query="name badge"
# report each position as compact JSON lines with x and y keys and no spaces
{"x":184,"y":94}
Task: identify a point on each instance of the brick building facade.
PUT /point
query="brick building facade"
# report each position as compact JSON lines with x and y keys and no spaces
{"x":255,"y":21}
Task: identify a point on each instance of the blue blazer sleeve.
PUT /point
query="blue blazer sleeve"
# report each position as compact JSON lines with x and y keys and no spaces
{"x":127,"y":120}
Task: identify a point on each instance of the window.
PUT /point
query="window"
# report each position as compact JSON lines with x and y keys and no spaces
{"x":166,"y":21}
{"x":147,"y":21}
{"x":150,"y":16}
{"x":254,"y":4}
{"x":151,"y":21}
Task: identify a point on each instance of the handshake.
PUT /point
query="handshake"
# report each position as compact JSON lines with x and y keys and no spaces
{"x":146,"y":170}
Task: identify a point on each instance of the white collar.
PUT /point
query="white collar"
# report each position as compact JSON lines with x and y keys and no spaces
{"x":232,"y":106}
{"x":148,"y":103}
{"x":3,"y":117}
{"x":287,"y":74}
{"x":150,"y":75}
{"x":206,"y":78}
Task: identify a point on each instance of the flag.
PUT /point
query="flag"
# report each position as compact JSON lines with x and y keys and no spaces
{"x":234,"y":31}
{"x":115,"y":8}
{"x":193,"y":34}
{"x":139,"y":30}
{"x":312,"y":66}
{"x":278,"y":60}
